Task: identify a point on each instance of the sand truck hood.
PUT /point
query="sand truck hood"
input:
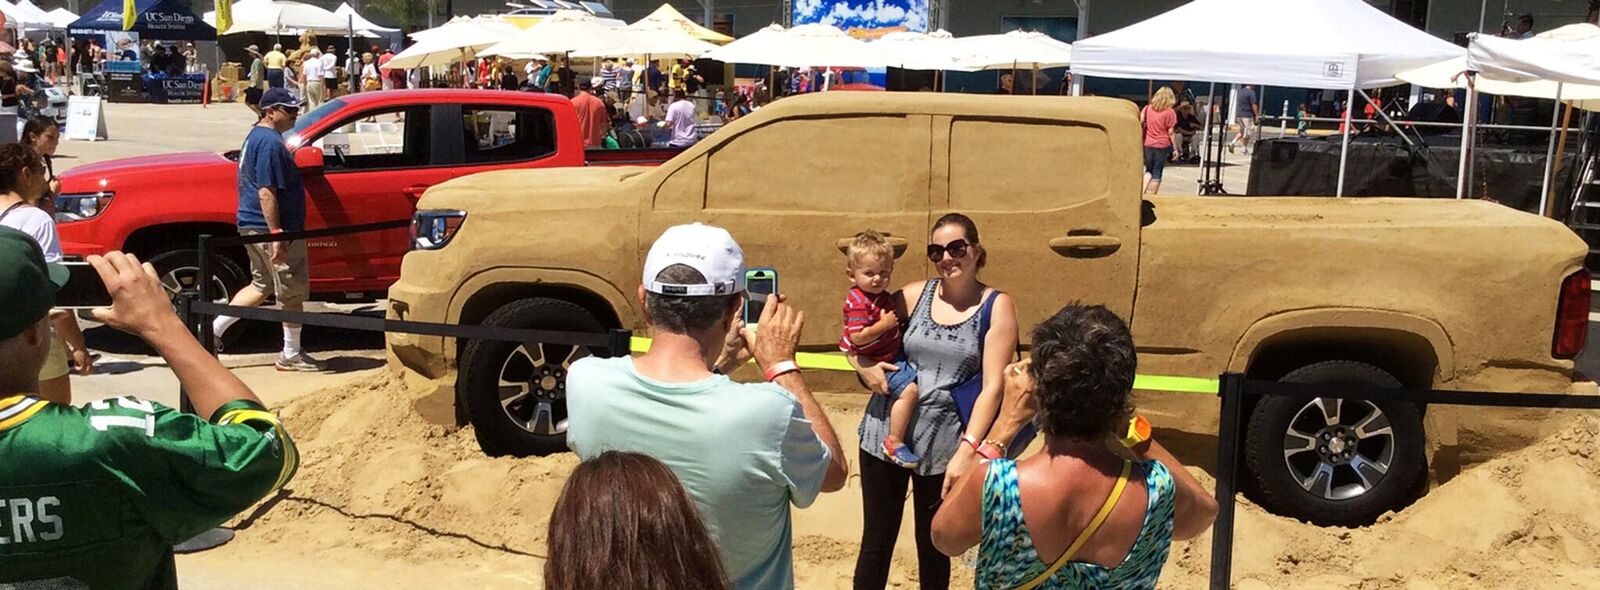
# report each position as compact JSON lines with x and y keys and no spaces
{"x":513,"y":191}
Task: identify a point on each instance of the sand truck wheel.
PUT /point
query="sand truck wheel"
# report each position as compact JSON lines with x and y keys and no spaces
{"x":1330,"y":461}
{"x":516,"y":394}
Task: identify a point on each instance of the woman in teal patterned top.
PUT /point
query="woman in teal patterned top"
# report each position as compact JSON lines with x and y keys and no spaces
{"x":1026,"y":514}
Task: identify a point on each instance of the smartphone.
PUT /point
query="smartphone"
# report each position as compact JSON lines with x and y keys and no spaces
{"x":760,"y":284}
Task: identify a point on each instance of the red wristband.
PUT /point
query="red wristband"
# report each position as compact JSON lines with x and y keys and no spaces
{"x":781,"y":368}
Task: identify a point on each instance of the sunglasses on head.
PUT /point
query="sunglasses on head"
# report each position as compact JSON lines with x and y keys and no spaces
{"x":957,"y":250}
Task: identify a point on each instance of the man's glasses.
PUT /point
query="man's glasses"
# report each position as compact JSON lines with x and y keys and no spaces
{"x":957,"y":250}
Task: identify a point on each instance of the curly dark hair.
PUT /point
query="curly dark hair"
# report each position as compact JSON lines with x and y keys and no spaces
{"x":14,"y":157}
{"x":624,"y":521}
{"x":1083,"y":364}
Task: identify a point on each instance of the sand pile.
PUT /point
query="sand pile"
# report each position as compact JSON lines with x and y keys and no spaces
{"x":388,"y":499}
{"x":1526,"y":519}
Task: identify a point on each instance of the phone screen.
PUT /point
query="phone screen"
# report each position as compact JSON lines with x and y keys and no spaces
{"x":760,"y":284}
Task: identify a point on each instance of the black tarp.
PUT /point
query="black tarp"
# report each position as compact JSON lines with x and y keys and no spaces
{"x":166,"y":20}
{"x":1388,"y":167}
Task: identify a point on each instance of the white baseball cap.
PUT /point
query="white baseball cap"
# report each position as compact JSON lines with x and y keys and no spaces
{"x":710,"y":250}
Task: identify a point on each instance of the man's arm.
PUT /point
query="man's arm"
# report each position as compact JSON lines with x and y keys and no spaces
{"x":779,"y":335}
{"x":139,"y":305}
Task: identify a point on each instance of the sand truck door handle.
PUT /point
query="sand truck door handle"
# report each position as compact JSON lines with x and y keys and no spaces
{"x":899,"y":244}
{"x":1079,"y":246}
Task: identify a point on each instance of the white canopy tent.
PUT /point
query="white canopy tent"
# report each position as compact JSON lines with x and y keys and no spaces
{"x":1331,"y":44}
{"x":35,"y":18}
{"x":659,"y":42}
{"x":21,"y":18}
{"x":282,"y":17}
{"x":63,"y":18}
{"x":1568,"y":57}
{"x":804,"y":46}
{"x":358,"y":22}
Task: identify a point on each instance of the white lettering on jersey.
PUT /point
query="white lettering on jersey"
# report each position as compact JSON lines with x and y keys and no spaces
{"x":23,"y":513}
{"x":146,"y":423}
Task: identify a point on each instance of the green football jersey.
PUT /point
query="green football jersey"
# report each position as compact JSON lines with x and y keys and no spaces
{"x":95,"y":496}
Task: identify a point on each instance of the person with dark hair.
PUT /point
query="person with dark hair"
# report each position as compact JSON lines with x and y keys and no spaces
{"x":945,"y":340}
{"x":99,"y":493}
{"x":745,"y":452}
{"x":43,"y":134}
{"x":22,"y":190}
{"x":681,"y":118}
{"x":1524,"y":28}
{"x":1105,"y":500}
{"x":272,"y":200}
{"x":624,"y":521}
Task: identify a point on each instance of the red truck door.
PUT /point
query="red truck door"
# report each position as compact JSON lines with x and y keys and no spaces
{"x":1055,"y":206}
{"x":376,"y":164}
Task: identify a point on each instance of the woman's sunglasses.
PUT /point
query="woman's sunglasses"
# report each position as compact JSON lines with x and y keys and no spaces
{"x":957,"y":250}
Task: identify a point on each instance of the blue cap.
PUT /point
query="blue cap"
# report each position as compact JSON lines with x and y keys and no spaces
{"x":279,"y":97}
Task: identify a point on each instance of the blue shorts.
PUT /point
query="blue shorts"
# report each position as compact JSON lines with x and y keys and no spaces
{"x":900,"y":379}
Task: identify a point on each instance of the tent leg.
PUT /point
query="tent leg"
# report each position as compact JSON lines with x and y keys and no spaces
{"x":1344,"y":147}
{"x":1469,"y":126}
{"x":1550,"y":154}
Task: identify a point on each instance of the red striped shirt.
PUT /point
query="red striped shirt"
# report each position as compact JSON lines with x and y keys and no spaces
{"x":862,"y":310}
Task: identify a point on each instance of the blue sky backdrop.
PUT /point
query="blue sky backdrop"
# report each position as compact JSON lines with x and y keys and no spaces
{"x":863,"y":14}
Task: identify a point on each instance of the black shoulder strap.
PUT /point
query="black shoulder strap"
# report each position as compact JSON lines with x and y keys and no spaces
{"x":13,"y":207}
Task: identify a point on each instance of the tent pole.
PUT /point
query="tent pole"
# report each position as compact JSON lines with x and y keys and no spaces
{"x":1561,"y":146}
{"x":1464,"y":169}
{"x":1344,"y":147}
{"x":1205,"y":133}
{"x":1550,"y":153}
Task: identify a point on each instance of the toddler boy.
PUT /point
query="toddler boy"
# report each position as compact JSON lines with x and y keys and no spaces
{"x":872,"y":333}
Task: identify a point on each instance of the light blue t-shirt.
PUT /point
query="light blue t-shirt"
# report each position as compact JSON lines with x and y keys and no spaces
{"x":745,"y":452}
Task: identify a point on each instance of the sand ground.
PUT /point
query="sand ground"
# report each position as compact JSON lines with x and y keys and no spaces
{"x":387,"y":498}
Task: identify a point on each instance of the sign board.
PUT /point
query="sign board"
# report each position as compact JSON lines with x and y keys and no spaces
{"x":187,"y":88}
{"x":863,"y":18}
{"x":86,"y":119}
{"x":125,"y":87}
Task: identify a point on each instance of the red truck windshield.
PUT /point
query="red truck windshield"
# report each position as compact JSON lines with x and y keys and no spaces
{"x":311,"y":118}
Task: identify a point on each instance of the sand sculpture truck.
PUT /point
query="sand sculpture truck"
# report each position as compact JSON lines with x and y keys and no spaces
{"x":1380,"y":292}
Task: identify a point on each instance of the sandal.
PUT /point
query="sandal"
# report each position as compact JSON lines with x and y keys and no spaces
{"x":901,"y":455}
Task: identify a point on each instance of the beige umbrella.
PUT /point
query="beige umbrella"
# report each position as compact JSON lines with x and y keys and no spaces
{"x":567,"y":31}
{"x":659,"y":43}
{"x":804,"y":46}
{"x":668,"y":17}
{"x":1013,"y":50}
{"x":454,"y":41}
{"x":923,"y":51}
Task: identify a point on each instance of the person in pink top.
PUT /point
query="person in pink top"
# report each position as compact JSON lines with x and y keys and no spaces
{"x":1159,"y":121}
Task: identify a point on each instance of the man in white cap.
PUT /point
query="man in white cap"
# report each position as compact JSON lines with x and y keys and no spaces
{"x":744,"y":452}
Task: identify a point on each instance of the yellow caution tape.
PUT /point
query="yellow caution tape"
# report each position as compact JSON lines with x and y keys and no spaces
{"x":837,"y":362}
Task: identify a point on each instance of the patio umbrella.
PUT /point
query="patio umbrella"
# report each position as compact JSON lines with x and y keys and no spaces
{"x":454,"y":41}
{"x":1013,"y":50}
{"x":658,"y":42}
{"x":803,"y":46}
{"x":922,"y":51}
{"x":668,"y":17}
{"x":566,"y":31}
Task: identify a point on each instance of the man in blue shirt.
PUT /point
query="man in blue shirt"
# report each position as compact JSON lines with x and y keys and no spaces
{"x":271,"y":200}
{"x":744,"y":451}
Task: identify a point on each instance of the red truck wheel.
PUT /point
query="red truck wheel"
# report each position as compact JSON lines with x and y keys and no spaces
{"x":1333,"y":462}
{"x":516,"y":394}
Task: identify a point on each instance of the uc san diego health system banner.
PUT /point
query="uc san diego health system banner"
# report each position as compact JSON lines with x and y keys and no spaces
{"x":864,"y":18}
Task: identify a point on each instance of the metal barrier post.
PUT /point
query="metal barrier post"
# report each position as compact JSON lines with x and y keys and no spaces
{"x":620,"y":343}
{"x":190,"y":321}
{"x":205,"y":334}
{"x":1232,"y":392}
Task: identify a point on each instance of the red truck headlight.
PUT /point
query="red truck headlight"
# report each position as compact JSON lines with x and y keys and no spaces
{"x":81,"y":206}
{"x":1572,"y":316}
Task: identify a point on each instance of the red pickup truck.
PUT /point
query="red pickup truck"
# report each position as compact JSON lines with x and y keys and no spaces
{"x":364,"y":158}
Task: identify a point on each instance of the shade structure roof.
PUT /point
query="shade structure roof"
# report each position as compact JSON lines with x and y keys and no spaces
{"x":803,"y":46}
{"x":921,"y":51}
{"x":345,"y":11}
{"x":567,"y":31}
{"x":1016,"y":49}
{"x":456,"y":40}
{"x":667,"y":16}
{"x":1569,"y":55}
{"x":157,"y":19}
{"x":662,"y":42}
{"x":1336,"y":44}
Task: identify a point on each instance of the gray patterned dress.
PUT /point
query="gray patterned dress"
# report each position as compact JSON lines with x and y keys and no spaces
{"x":945,"y":356}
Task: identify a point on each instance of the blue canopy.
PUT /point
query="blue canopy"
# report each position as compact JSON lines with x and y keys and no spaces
{"x":167,"y":20}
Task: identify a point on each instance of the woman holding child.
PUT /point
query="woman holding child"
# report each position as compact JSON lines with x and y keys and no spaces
{"x":944,"y":344}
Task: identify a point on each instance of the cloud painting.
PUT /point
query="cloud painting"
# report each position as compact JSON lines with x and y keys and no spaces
{"x":863,"y":14}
